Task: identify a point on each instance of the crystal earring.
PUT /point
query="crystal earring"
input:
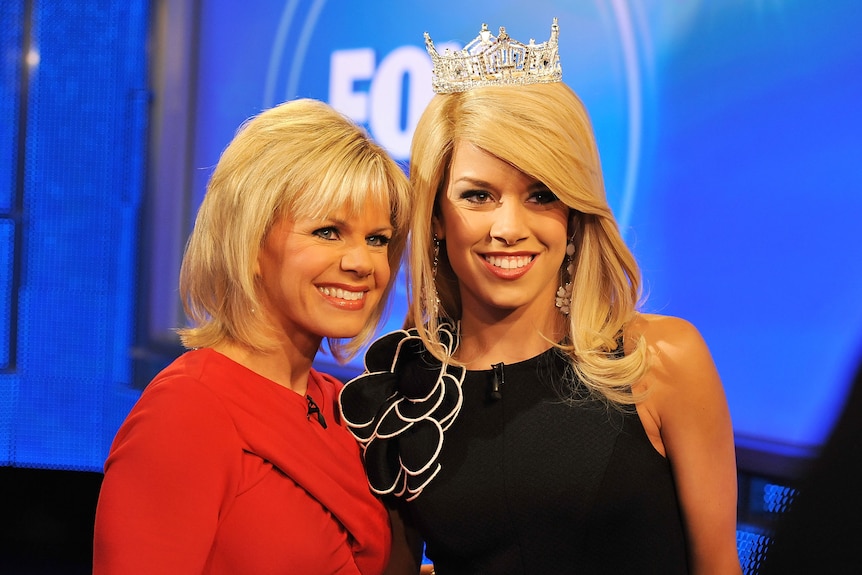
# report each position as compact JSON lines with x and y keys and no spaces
{"x":434,"y":265}
{"x":564,"y":293}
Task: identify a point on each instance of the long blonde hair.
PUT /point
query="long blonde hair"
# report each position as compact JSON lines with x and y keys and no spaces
{"x":298,"y":159}
{"x":544,"y":131}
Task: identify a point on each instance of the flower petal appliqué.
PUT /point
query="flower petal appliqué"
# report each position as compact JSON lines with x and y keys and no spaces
{"x":398,"y":418}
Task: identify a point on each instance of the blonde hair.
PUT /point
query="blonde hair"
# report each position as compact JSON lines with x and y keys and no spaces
{"x":301,"y":159}
{"x":544,"y":131}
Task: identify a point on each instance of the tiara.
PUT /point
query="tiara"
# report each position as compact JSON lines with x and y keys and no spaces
{"x":492,"y":61}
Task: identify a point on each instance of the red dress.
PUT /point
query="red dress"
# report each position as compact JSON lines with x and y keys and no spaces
{"x":219,"y":470}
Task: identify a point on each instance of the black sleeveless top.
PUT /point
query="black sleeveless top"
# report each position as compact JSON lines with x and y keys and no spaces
{"x":524,"y":482}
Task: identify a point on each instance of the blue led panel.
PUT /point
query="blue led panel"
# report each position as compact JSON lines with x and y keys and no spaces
{"x":82,"y":184}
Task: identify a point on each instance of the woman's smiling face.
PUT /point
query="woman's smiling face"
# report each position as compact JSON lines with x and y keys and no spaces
{"x":505,"y":235}
{"x":325,"y":277}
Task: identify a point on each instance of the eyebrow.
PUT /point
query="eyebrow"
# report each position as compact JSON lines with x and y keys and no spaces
{"x":473,"y":182}
{"x":346,"y":224}
{"x":536,"y":185}
{"x":335,"y":221}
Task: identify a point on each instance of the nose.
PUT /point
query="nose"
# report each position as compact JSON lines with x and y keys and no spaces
{"x":357,"y":260}
{"x":509,"y":225}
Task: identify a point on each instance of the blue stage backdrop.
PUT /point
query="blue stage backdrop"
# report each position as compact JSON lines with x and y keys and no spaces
{"x":730,"y":141}
{"x":73,"y":110}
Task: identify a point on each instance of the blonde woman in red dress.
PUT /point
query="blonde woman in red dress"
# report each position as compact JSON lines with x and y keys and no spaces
{"x":234,"y":459}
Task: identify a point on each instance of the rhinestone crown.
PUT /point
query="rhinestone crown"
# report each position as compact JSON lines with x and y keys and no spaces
{"x":488,"y":60}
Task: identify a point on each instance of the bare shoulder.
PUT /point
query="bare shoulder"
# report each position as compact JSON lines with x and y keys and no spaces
{"x":677,"y":351}
{"x":667,"y":337}
{"x":663,"y":329}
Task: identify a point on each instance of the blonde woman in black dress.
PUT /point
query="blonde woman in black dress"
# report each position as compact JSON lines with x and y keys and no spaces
{"x":533,"y":420}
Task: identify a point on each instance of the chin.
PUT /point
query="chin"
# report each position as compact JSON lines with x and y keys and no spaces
{"x":342,"y":330}
{"x":510,"y":305}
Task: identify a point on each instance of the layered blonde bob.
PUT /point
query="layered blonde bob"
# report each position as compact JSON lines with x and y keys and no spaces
{"x":301,"y":159}
{"x":544,"y":131}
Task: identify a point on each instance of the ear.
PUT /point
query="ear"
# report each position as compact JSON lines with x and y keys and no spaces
{"x":574,"y":223}
{"x":437,"y":228}
{"x":257,"y":273}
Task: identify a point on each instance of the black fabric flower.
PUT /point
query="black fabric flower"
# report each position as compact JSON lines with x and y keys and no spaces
{"x":400,"y":407}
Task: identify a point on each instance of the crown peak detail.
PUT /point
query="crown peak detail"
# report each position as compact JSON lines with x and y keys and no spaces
{"x":494,"y":61}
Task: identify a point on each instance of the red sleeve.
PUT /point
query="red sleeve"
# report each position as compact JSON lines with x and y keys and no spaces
{"x":171,"y":470}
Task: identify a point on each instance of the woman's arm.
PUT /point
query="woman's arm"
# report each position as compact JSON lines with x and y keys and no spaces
{"x":166,"y":479}
{"x":688,"y":404}
{"x":406,"y":556}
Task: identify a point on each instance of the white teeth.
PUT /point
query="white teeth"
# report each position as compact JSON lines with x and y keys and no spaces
{"x":509,"y":262}
{"x":342,"y":294}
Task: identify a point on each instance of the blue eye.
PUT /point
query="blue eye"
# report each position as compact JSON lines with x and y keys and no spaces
{"x":378,"y":241}
{"x":328,"y":233}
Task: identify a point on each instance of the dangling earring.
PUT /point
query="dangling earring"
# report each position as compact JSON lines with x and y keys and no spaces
{"x":564,"y":293}
{"x":434,"y":265}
